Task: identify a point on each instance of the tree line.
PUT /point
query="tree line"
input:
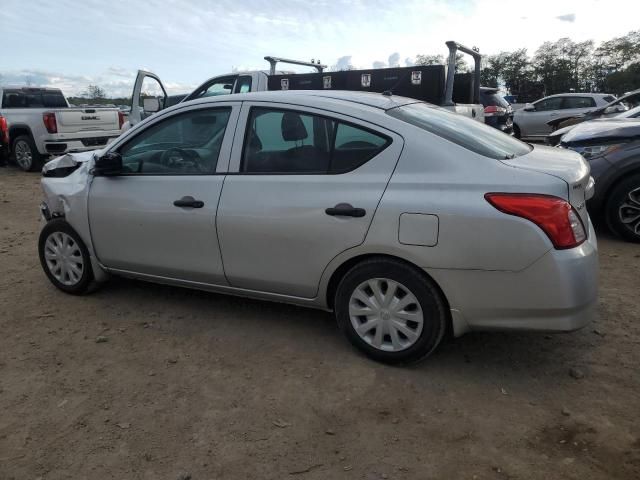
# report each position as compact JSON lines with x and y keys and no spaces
{"x":561,"y":66}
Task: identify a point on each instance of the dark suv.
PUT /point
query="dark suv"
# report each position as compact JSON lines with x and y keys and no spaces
{"x":497,"y":111}
{"x":612,"y":148}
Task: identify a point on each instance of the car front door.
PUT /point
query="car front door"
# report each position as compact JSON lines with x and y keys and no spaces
{"x":158,"y":216}
{"x":545,"y":110}
{"x":147,"y":86}
{"x":306,"y":188}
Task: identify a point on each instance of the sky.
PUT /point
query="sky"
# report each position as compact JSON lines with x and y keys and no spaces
{"x":73,"y":43}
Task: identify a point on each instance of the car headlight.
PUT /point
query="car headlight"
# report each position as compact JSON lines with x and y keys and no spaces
{"x":594,"y":151}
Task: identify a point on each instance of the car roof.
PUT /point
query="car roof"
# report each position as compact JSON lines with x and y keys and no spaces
{"x":368,"y":99}
{"x":574,"y":94}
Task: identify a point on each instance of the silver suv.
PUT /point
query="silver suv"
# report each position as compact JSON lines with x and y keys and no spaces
{"x":531,"y":121}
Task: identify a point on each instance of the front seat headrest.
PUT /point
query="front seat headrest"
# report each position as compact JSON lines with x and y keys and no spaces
{"x":293,"y":129}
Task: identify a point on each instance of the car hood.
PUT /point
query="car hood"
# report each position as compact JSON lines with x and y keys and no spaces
{"x":603,"y":129}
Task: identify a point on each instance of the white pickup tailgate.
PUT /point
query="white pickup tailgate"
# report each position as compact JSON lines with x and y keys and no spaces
{"x":72,"y":120}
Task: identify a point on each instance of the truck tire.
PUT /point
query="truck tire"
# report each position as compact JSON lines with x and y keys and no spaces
{"x":26,"y":154}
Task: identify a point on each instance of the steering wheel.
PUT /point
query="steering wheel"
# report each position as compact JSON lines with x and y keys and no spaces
{"x":181,"y":159}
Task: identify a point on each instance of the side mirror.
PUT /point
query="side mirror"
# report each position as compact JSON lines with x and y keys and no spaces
{"x":610,"y":110}
{"x":529,"y":107}
{"x":108,"y":165}
{"x":151,"y":105}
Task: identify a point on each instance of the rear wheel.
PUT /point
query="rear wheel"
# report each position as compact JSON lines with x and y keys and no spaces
{"x":390,"y":311}
{"x":26,"y":154}
{"x":65,"y":258}
{"x":623,"y":209}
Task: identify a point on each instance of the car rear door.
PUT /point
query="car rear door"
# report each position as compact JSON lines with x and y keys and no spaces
{"x":158,"y":217}
{"x":295,"y":198}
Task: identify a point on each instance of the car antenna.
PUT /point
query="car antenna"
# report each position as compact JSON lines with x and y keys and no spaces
{"x":389,"y":92}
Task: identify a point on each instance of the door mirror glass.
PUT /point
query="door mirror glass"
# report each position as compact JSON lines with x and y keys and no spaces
{"x":108,"y":164}
{"x":151,"y":105}
{"x":529,"y":107}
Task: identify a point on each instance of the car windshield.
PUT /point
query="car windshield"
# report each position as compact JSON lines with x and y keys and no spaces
{"x":463,"y":131}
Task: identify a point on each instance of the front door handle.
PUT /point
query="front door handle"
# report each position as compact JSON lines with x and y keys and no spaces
{"x":189,"y":201}
{"x":345,"y":210}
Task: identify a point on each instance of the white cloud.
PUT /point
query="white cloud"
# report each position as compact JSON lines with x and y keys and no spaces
{"x":188,"y":41}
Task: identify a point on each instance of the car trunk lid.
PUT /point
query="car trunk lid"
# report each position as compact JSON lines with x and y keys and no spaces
{"x":566,"y":165}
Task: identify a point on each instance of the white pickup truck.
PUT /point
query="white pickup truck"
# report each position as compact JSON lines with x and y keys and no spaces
{"x":437,"y":84}
{"x":40,"y":123}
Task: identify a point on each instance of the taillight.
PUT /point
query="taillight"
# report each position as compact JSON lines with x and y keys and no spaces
{"x":493,"y":110}
{"x":4,"y":130}
{"x":555,"y":216}
{"x":120,"y":119}
{"x":50,"y":123}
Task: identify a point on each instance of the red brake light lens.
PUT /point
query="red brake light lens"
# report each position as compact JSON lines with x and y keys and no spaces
{"x":50,"y":123}
{"x":555,"y":216}
{"x":120,"y":119}
{"x":493,"y":110}
{"x":4,"y":130}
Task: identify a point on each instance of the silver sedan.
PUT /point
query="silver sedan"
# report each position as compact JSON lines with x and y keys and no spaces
{"x":408,"y":221}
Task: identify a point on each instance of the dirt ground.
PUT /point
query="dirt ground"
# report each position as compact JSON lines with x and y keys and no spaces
{"x":187,"y":384}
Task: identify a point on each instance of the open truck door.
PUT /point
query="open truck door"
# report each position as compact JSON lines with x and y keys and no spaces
{"x":149,"y":96}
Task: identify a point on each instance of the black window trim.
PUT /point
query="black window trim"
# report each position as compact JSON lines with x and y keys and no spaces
{"x":388,"y":141}
{"x":166,"y":119}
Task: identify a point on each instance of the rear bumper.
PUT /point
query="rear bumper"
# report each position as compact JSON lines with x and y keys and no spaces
{"x":557,"y":293}
{"x":60,"y":147}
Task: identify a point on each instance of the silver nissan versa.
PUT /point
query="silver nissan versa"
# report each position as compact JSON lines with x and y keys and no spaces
{"x":404,"y":219}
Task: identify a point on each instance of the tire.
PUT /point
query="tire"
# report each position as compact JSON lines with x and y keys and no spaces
{"x":420,"y":297}
{"x":516,"y":131}
{"x":26,"y":154}
{"x":59,"y":244}
{"x":624,"y":204}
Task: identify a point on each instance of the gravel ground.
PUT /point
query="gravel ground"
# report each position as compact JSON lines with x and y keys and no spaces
{"x":154,"y":382}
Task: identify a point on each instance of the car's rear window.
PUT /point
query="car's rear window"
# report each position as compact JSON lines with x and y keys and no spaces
{"x":33,"y":99}
{"x":494,"y":99}
{"x":609,"y":98}
{"x":461,"y":130}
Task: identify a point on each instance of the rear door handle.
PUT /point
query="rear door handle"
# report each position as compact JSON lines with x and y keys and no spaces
{"x":189,"y":201}
{"x":345,"y":210}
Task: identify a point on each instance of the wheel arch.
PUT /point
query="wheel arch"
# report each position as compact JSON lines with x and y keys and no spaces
{"x":18,"y":130}
{"x":342,"y":269}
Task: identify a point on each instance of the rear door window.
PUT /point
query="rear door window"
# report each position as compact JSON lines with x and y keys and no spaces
{"x":554,"y":103}
{"x":291,"y":142}
{"x":578,"y":102}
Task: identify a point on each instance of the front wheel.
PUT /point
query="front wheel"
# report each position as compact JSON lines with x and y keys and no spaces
{"x":390,"y":311}
{"x":65,"y":258}
{"x":623,"y":209}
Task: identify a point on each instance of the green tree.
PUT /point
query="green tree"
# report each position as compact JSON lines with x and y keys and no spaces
{"x":94,"y":92}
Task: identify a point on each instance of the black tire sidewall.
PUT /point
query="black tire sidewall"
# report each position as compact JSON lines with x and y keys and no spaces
{"x":433,"y":308}
{"x":60,"y":225}
{"x":616,"y":197}
{"x":35,"y":155}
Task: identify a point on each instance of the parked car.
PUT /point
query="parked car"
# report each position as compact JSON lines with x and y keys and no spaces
{"x":497,"y":111}
{"x":531,"y":122}
{"x":42,"y":124}
{"x":612,"y":148}
{"x":354,"y":202}
{"x":554,"y":138}
{"x":459,"y":92}
{"x":616,"y":108}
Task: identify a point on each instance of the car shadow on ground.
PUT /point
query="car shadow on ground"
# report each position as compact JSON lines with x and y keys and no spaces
{"x":195,"y":312}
